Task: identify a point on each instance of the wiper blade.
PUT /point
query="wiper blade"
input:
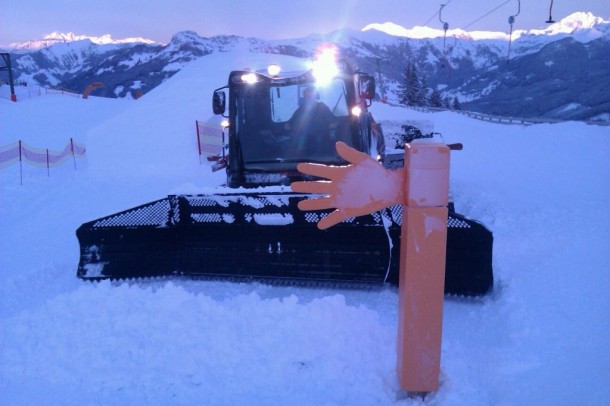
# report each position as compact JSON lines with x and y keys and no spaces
{"x":279,"y":161}
{"x":296,"y":161}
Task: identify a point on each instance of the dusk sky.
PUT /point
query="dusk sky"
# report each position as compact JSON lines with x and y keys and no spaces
{"x":158,"y":20}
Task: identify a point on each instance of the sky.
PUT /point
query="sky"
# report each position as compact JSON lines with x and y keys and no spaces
{"x":158,"y":20}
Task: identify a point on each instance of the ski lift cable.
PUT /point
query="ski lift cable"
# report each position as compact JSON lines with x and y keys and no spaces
{"x":434,"y":15}
{"x":486,"y":14}
{"x":430,"y":19}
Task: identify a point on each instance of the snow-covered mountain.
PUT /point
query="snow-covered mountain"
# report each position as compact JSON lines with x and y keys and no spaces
{"x":578,"y":23}
{"x":60,"y":37}
{"x":542,"y":77}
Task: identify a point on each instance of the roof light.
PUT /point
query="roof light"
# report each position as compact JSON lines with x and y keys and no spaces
{"x":274,"y":70}
{"x":325,"y":67}
{"x":224,"y":123}
{"x":249,"y":78}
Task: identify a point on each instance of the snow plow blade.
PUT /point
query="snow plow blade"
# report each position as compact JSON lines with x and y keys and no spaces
{"x":264,"y":236}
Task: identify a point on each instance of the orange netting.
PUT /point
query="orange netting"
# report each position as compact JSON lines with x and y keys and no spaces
{"x":45,"y":158}
{"x":209,"y":139}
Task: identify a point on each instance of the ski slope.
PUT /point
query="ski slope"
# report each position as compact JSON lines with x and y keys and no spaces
{"x":540,"y":338}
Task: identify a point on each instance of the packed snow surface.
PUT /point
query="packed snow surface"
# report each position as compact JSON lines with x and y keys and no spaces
{"x":540,"y":338}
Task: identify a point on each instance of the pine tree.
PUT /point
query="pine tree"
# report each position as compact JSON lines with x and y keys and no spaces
{"x":410,"y":90}
{"x":456,"y":104}
{"x":424,"y":92}
{"x":436,"y":100}
{"x":413,"y":88}
{"x":446,"y":103}
{"x":415,"y":92}
{"x":403,"y":87}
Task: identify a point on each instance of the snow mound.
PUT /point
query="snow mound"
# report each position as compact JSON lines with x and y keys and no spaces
{"x":228,"y":342}
{"x":154,"y":139}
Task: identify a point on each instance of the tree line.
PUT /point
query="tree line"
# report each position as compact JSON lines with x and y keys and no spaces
{"x":414,"y":91}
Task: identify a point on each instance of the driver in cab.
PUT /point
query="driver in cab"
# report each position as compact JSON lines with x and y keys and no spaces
{"x":311,"y":123}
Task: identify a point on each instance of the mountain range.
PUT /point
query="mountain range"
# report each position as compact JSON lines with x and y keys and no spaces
{"x":561,"y":72}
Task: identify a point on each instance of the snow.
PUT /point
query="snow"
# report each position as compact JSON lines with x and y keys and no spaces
{"x":603,"y":117}
{"x":66,"y":37}
{"x":585,"y":22}
{"x":277,"y":219}
{"x":541,"y":337}
{"x":581,"y":26}
{"x":419,"y":32}
{"x":118,"y":90}
{"x":571,"y":106}
{"x":568,"y":25}
{"x":103,"y":39}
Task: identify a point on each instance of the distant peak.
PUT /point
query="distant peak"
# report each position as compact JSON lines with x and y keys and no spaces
{"x":400,"y":31}
{"x":419,"y":32}
{"x":65,"y":37}
{"x":60,"y":36}
{"x":577,"y":21}
{"x":103,"y":39}
{"x":582,"y":25}
{"x":185,"y":36}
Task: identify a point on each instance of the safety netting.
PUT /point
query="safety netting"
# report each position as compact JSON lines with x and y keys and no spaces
{"x":209,"y":140}
{"x":21,"y":152}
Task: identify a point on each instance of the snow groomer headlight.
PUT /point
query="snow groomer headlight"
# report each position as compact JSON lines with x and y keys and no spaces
{"x":325,"y":68}
{"x":245,"y":77}
{"x":249,"y":78}
{"x":274,"y":70}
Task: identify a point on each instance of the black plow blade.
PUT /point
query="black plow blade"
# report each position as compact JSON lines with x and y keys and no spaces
{"x":264,"y":236}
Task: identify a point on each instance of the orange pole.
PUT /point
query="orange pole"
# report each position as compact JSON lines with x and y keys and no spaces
{"x":90,"y":88}
{"x":423,"y":190}
{"x":422,"y":267}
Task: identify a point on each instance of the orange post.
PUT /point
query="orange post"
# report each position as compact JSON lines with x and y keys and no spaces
{"x":422,"y":267}
{"x":422,"y":187}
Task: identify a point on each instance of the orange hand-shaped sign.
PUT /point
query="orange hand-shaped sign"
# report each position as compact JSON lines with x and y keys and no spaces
{"x":360,"y":188}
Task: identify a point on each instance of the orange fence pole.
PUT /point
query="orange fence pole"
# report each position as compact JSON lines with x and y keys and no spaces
{"x":422,"y":188}
{"x":422,"y":267}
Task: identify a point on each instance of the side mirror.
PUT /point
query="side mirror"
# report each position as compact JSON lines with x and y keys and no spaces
{"x":219,"y":101}
{"x":366,"y":86}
